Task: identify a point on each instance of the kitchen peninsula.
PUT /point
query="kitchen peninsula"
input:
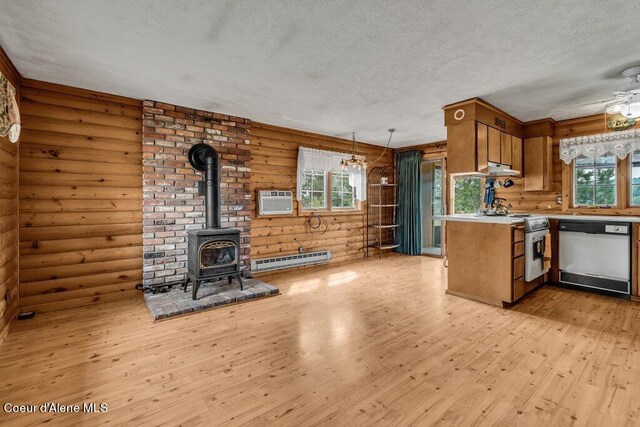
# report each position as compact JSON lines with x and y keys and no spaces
{"x":486,"y":258}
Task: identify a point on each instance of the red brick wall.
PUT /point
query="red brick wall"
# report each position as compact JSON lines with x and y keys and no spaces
{"x":171,"y":203}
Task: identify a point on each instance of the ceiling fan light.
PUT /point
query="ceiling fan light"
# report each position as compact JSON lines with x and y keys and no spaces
{"x":631,"y":110}
{"x":614,"y":109}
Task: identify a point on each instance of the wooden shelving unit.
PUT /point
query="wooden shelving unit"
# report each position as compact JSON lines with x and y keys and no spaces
{"x":382,"y":223}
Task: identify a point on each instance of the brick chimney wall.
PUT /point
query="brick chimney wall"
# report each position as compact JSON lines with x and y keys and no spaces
{"x":171,"y":204}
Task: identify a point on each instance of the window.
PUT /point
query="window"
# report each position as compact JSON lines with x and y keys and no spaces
{"x":342,"y":194}
{"x":594,"y":182}
{"x":316,"y":192}
{"x":467,"y":194}
{"x":635,"y":179}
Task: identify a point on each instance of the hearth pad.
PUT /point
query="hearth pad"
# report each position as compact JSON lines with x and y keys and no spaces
{"x":210,"y":295}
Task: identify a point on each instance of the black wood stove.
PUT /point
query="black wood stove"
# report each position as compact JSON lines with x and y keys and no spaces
{"x":214,"y":252}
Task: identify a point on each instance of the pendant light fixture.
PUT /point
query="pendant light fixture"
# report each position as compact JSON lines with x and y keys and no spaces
{"x":359,"y":161}
{"x":356,"y":161}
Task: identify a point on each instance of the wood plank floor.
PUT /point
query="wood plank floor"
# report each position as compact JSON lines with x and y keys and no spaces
{"x":375,"y":342}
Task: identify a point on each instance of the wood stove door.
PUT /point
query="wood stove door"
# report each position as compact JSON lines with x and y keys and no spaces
{"x":217,"y":254}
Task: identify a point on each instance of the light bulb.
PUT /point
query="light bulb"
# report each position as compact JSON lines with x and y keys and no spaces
{"x":614,"y":109}
{"x":631,"y":110}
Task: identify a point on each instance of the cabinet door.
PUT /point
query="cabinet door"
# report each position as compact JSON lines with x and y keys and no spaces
{"x":481,"y":141}
{"x":461,"y":144}
{"x":516,"y":154}
{"x":538,"y":164}
{"x":505,"y":149}
{"x":493,"y":145}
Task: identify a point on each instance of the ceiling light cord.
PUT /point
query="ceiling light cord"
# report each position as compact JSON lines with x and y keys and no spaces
{"x":391,"y":131}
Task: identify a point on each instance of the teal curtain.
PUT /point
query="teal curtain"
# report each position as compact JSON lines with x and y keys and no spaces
{"x":409,"y":209}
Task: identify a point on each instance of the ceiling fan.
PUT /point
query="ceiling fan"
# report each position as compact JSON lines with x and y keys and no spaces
{"x":627,"y":99}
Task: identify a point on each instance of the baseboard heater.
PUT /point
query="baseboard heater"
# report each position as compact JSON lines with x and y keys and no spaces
{"x":290,"y":261}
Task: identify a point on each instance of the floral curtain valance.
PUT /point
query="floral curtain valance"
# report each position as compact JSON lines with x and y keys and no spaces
{"x":311,"y":158}
{"x":620,"y":143}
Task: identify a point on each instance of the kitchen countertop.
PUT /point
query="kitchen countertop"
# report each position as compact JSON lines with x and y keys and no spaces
{"x":616,"y":218}
{"x":512,"y":220}
{"x":481,"y":219}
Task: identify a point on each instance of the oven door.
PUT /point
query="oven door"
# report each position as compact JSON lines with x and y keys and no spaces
{"x":534,"y":254}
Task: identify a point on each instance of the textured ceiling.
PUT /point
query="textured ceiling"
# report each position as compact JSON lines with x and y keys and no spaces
{"x":333,"y":66}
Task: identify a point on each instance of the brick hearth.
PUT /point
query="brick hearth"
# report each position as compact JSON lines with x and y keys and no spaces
{"x":171,"y":204}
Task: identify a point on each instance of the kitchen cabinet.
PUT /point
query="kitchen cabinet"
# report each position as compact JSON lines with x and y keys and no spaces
{"x":516,"y":154}
{"x":479,"y":133}
{"x":486,"y":262}
{"x":505,"y":149}
{"x":494,"y":143}
{"x":538,"y":164}
{"x":518,"y":286}
{"x":461,"y":148}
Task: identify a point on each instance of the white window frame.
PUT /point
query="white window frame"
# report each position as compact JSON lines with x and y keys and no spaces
{"x":328,"y":192}
{"x":314,"y":172}
{"x":331,"y":191}
{"x":595,"y":184}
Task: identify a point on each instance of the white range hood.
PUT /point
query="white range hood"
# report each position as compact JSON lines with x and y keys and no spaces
{"x":492,"y":169}
{"x":497,"y":169}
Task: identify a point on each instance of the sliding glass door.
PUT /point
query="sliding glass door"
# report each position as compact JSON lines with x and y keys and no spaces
{"x":431,"y":190}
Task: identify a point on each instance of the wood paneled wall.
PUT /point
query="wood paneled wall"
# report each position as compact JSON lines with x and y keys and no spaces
{"x":535,"y":201}
{"x":80,"y":197}
{"x":538,"y":201}
{"x":9,"y":274}
{"x":274,"y":154}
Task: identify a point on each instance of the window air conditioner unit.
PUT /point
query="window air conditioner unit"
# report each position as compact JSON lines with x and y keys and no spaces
{"x":275,"y":202}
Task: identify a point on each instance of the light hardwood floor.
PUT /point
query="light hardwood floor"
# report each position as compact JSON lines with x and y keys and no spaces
{"x":375,"y":342}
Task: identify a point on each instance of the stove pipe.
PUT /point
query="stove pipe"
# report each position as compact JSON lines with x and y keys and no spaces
{"x":204,"y":158}
{"x":212,"y":191}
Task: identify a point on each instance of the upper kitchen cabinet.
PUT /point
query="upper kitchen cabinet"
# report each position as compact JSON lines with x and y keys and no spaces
{"x":538,"y":163}
{"x":482,"y":139}
{"x":461,"y":148}
{"x":538,"y":155}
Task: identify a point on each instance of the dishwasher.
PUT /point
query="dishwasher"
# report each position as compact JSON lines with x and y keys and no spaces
{"x":595,"y":255}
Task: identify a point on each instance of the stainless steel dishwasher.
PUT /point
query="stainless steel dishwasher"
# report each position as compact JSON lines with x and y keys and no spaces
{"x":596,"y":255}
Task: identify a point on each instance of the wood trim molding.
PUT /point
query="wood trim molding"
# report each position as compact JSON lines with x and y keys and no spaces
{"x":84,"y":93}
{"x":482,"y":102}
{"x":6,"y":64}
{"x":542,"y":127}
{"x":296,"y":133}
{"x":480,"y":111}
{"x":430,"y":147}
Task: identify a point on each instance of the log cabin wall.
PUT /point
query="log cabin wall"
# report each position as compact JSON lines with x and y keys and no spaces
{"x":540,"y":201}
{"x":535,"y":201}
{"x":9,"y":272}
{"x":80,"y":197}
{"x":274,"y":154}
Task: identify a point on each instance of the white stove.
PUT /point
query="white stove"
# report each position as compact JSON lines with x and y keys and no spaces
{"x":536,"y":230}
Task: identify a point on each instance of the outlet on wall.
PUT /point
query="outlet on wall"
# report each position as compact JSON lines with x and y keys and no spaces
{"x":559,"y":200}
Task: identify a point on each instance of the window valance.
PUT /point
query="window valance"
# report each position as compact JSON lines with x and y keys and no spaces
{"x":620,"y":143}
{"x":311,"y":158}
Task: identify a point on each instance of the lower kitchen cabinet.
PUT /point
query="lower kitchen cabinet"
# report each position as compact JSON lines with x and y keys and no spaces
{"x":518,"y":286}
{"x":486,"y":262}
